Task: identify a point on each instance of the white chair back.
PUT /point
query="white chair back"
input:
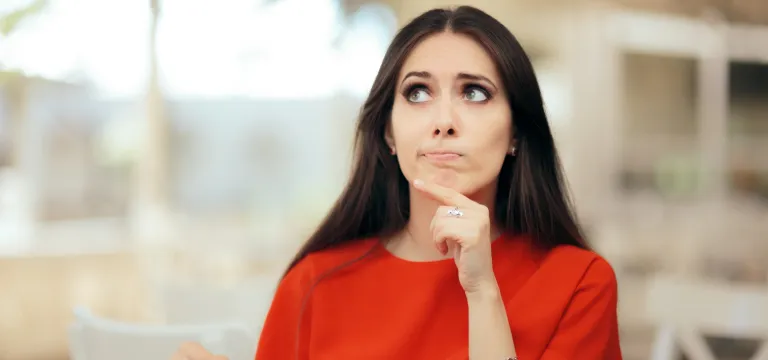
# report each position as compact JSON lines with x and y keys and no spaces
{"x":94,"y":338}
{"x":719,"y":309}
{"x":246,"y":302}
{"x":685,"y":310}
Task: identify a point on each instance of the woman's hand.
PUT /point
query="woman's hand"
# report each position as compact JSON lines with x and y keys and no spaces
{"x":463,"y":227}
{"x":195,"y":351}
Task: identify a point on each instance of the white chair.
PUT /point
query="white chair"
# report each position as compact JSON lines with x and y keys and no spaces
{"x":685,"y":310}
{"x":95,"y":338}
{"x":246,"y":302}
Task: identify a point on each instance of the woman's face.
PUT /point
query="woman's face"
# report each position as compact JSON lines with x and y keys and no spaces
{"x":451,"y":122}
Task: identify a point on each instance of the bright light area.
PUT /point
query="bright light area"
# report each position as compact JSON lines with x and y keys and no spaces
{"x":101,"y":40}
{"x":363,"y":47}
{"x":555,"y":92}
{"x":206,"y":49}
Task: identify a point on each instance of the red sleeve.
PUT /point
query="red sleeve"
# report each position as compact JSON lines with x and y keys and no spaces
{"x":589,"y":328}
{"x":280,"y":332}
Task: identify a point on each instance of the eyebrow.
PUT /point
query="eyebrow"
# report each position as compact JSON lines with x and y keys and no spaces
{"x":462,"y":76}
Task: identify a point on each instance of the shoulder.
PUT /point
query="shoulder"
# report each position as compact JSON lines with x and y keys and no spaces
{"x":568,"y":277}
{"x":584,"y":267}
{"x":321,"y":262}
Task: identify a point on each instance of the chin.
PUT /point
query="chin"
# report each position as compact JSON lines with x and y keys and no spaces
{"x":472,"y":192}
{"x":476,"y":190}
{"x":466,"y":188}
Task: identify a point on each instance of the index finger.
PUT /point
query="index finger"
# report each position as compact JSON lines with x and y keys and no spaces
{"x":445,"y":195}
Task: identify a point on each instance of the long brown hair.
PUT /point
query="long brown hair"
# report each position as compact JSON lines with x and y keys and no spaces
{"x":531,"y":197}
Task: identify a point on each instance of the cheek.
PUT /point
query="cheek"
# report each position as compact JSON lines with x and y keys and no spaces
{"x":406,"y":145}
{"x":406,"y":139}
{"x":493,"y":127}
{"x":407,"y":129}
{"x":499,"y":139}
{"x":493,"y":143}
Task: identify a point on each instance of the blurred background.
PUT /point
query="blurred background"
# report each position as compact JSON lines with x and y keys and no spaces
{"x":159,"y":157}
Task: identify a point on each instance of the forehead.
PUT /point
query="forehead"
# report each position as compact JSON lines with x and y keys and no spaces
{"x":448,"y":53}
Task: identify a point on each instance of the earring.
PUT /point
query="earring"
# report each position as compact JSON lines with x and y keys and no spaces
{"x":513,"y":150}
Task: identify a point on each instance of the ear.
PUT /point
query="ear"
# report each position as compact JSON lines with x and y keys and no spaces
{"x":389,"y":139}
{"x":512,"y":150}
{"x":512,"y":147}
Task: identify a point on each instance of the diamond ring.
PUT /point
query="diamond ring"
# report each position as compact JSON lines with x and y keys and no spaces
{"x":455,"y":212}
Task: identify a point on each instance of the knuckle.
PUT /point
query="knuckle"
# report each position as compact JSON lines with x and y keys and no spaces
{"x":483,"y":228}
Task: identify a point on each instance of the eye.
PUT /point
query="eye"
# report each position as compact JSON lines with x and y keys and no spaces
{"x":418,"y":94}
{"x":476,"y":93}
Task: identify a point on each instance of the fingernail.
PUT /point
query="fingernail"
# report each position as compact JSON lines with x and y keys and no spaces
{"x":418,"y":182}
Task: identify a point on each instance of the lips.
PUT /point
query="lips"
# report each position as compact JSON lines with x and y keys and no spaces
{"x":441,"y":156}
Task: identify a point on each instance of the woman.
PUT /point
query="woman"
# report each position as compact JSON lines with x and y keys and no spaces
{"x":454,"y":238}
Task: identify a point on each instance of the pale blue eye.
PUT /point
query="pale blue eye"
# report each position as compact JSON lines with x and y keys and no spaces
{"x":418,"y":96}
{"x":475,"y":95}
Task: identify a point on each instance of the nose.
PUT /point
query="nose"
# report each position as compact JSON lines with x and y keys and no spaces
{"x":445,"y":121}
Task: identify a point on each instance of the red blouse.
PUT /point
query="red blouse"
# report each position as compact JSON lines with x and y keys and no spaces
{"x":561,"y":305}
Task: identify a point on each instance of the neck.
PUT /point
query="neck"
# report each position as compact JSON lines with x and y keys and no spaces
{"x":416,"y":242}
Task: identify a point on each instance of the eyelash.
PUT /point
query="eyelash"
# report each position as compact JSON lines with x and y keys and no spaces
{"x":466,"y":89}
